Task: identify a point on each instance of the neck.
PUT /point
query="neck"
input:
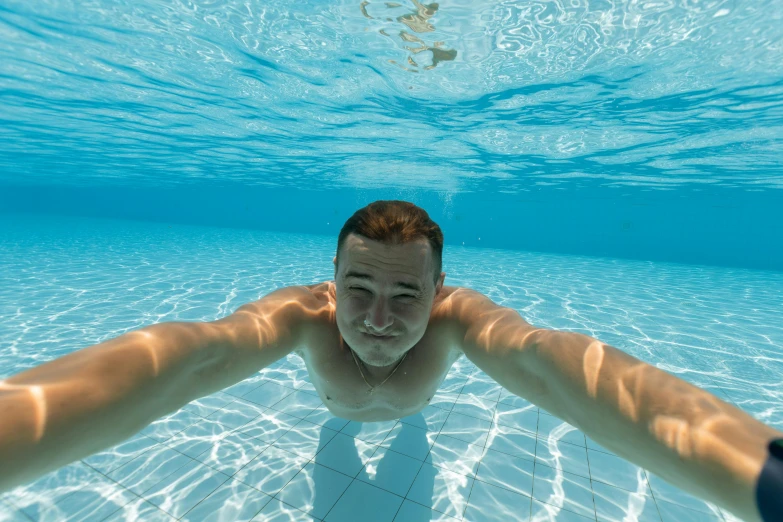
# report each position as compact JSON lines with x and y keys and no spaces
{"x":378,"y":372}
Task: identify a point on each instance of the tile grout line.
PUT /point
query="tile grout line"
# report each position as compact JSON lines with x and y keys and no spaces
{"x":353,"y":479}
{"x":377,"y":446}
{"x":652,"y":494}
{"x":533,"y":477}
{"x":494,"y":422}
{"x":237,"y":430}
{"x":15,"y":510}
{"x":649,"y":484}
{"x":424,"y":461}
{"x":483,"y":453}
{"x":590,"y":476}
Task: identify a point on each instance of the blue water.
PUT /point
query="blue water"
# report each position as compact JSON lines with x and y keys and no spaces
{"x":613,"y":168}
{"x":267,"y":448}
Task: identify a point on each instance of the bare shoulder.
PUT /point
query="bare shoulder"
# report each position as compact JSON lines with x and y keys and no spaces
{"x":291,"y":296}
{"x":294,"y":306}
{"x":471,"y":313}
{"x":464,"y":304}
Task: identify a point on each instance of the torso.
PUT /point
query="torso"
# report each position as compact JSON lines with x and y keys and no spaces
{"x":335,"y":375}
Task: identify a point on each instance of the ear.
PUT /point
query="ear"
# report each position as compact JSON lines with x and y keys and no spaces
{"x":439,"y":284}
{"x":334,"y":262}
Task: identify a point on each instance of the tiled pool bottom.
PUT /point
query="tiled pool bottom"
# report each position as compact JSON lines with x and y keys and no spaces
{"x":267,"y":449}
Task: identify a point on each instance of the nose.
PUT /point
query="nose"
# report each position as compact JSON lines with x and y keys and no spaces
{"x":379,"y":318}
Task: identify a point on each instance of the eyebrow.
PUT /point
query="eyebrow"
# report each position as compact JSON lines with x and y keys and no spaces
{"x":368,"y":277}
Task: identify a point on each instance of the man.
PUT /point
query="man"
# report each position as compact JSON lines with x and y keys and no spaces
{"x":377,"y":342}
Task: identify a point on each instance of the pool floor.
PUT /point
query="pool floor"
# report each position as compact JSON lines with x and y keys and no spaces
{"x":267,"y":449}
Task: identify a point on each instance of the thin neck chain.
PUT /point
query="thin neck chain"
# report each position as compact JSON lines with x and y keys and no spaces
{"x":373,"y":388}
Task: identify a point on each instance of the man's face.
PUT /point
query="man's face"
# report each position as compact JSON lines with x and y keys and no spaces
{"x":391,"y":288}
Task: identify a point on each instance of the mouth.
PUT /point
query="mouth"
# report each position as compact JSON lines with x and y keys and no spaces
{"x":375,"y":336}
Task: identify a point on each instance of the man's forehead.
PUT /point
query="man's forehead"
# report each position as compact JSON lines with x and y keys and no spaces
{"x":359,"y":244}
{"x":360,"y":254}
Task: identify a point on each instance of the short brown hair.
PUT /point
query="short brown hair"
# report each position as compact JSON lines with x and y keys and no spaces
{"x":395,"y":222}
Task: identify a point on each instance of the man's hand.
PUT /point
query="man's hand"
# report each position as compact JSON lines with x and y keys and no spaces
{"x":682,"y":433}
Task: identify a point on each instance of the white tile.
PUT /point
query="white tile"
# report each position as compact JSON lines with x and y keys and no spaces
{"x":277,"y":511}
{"x":314,"y":490}
{"x":94,"y":500}
{"x":205,"y":406}
{"x":453,"y":383}
{"x":618,"y":505}
{"x":271,"y":470}
{"x":550,"y":427}
{"x":490,"y":503}
{"x":298,"y":404}
{"x":111,"y":459}
{"x":305,"y":439}
{"x":345,"y":454}
{"x":267,"y":394}
{"x":662,"y":490}
{"x":614,"y":471}
{"x":413,"y":512}
{"x":181,"y":491}
{"x":372,"y":432}
{"x":237,"y":413}
{"x":564,"y":490}
{"x":482,"y":386}
{"x":455,"y":455}
{"x":198,"y":438}
{"x":269,"y":426}
{"x":244,"y":387}
{"x":475,"y":407}
{"x":593,"y":445}
{"x":444,"y":400}
{"x":140,"y":510}
{"x":542,"y":512}
{"x":561,"y":455}
{"x":231,"y":453}
{"x":676,"y":513}
{"x":512,"y":441}
{"x":508,"y":472}
{"x":232,"y":501}
{"x":54,"y":486}
{"x":442,"y":490}
{"x":362,"y":502}
{"x":508,"y":398}
{"x":523,"y":417}
{"x":285,"y":375}
{"x":321,"y":415}
{"x":390,"y":471}
{"x":168,"y":426}
{"x":410,"y":441}
{"x":308,"y":387}
{"x":430,"y":419}
{"x":465,"y":428}
{"x":148,"y":469}
{"x":9,"y":513}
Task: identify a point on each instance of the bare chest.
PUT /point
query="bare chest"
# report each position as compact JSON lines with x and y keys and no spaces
{"x":341,"y":384}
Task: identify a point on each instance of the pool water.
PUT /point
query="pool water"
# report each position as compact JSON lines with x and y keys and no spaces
{"x":267,"y":448}
{"x":605,"y":167}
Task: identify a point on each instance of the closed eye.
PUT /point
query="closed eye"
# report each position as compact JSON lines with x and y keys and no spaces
{"x":360,"y":289}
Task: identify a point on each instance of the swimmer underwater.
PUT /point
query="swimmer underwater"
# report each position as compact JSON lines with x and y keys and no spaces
{"x":378,"y":342}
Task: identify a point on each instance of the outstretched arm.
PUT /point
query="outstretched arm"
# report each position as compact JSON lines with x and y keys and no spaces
{"x":680,"y":432}
{"x":94,"y":398}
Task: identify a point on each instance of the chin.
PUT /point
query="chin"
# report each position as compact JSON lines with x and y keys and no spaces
{"x":374,"y":355}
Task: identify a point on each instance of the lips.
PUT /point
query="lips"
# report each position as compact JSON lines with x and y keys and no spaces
{"x":375,"y":336}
